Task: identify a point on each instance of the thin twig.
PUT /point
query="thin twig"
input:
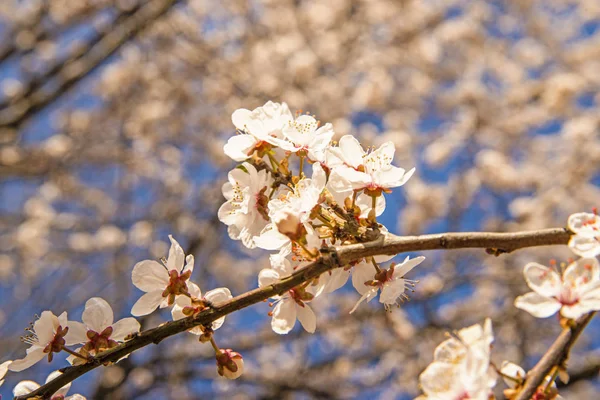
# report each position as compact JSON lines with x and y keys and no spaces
{"x":334,"y":258}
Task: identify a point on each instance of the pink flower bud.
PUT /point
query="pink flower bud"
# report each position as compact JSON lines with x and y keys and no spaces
{"x":229,"y":364}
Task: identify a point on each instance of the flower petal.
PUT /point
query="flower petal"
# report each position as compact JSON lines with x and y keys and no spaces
{"x":124,"y":327}
{"x":537,"y":305}
{"x":361,"y":273}
{"x":25,"y":387}
{"x":97,"y":315}
{"x":406,"y":266}
{"x":284,"y":316}
{"x":218,"y":295}
{"x":584,"y":246}
{"x":369,"y":295}
{"x":176,"y":256}
{"x":77,"y":333}
{"x":512,"y":370}
{"x":267,"y":276}
{"x":574,"y":311}
{"x":391,"y":291}
{"x":45,"y":327}
{"x":34,"y":354}
{"x":148,"y":275}
{"x":542,"y":280}
{"x":307,"y":318}
{"x":63,"y":390}
{"x":239,"y":147}
{"x":582,"y":273}
{"x":147,"y":303}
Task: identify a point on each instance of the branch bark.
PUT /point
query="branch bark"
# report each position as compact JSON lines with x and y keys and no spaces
{"x":330,"y":258}
{"x":556,"y":355}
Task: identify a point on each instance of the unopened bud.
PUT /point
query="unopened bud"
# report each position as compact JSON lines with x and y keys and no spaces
{"x":229,"y":364}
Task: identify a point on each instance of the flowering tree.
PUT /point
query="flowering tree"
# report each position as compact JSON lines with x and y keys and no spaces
{"x":307,"y":205}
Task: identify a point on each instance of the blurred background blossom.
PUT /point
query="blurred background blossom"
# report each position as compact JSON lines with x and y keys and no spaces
{"x":113,"y":117}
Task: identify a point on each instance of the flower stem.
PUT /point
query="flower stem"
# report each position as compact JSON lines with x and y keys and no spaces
{"x":375,"y":265}
{"x":274,"y":163}
{"x":301,"y":173}
{"x":354,"y":196}
{"x":214,"y":345}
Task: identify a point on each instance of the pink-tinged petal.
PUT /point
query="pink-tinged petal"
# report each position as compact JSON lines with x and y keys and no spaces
{"x":189,"y":264}
{"x":193,"y":289}
{"x":537,"y":305}
{"x":542,"y":280}
{"x":585,"y":246}
{"x":391,"y":291}
{"x":307,"y":318}
{"x":176,"y":256}
{"x":514,"y":371}
{"x":148,"y":275}
{"x":45,"y":327}
{"x":241,"y":117}
{"x":574,"y":311}
{"x":147,"y":303}
{"x":124,"y":327}
{"x":352,"y":151}
{"x":97,"y":315}
{"x":25,"y":387}
{"x":77,"y":333}
{"x":34,"y":354}
{"x":368,"y":296}
{"x":361,"y":273}
{"x":284,"y":316}
{"x":218,"y":295}
{"x":267,"y":277}
{"x":583,"y":223}
{"x":582,"y":272}
{"x":63,"y":390}
{"x":239,"y":148}
{"x":406,"y":266}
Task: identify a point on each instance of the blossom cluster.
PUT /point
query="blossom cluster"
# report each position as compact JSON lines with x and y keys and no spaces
{"x":296,"y":191}
{"x":462,"y":366}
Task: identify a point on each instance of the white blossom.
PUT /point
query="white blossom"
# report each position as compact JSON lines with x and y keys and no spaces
{"x":98,"y":332}
{"x":4,"y":370}
{"x":586,"y":241}
{"x":291,"y":305}
{"x":229,"y":363}
{"x":245,"y":211}
{"x":576,"y":293}
{"x":23,"y":388}
{"x":163,"y":283}
{"x":259,"y":129}
{"x":185,"y":306}
{"x":391,"y":282}
{"x":48,"y":335}
{"x":306,"y":137}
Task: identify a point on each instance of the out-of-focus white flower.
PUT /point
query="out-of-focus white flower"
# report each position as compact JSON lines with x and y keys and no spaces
{"x":259,"y":129}
{"x":163,"y":283}
{"x":461,"y":367}
{"x":291,"y":305}
{"x":391,"y":282}
{"x":4,"y":370}
{"x":245,"y":212}
{"x":576,"y":293}
{"x":97,"y":330}
{"x":48,"y":335}
{"x":306,"y":137}
{"x":355,"y":169}
{"x":586,"y":241}
{"x":23,"y":388}
{"x":185,"y":306}
{"x":514,"y":377}
{"x":229,"y":363}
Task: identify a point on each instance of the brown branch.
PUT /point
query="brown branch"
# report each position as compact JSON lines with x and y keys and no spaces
{"x":329,"y":259}
{"x":555,"y":356}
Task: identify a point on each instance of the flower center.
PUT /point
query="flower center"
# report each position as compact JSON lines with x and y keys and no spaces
{"x":57,"y":342}
{"x":300,"y":295}
{"x":177,"y":285}
{"x":99,"y":341}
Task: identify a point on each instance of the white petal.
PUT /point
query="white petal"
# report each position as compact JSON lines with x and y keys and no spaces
{"x":45,"y":327}
{"x":352,"y":151}
{"x":34,"y":354}
{"x":307,"y":318}
{"x":365,"y":203}
{"x":582,"y":223}
{"x":335,"y":279}
{"x":367,"y":296}
{"x":267,"y":277}
{"x":391,"y":291}
{"x":25,"y":387}
{"x":439,"y":380}
{"x":542,"y":280}
{"x":575,"y":311}
{"x":271,"y":239}
{"x":584,"y":246}
{"x":147,"y":303}
{"x":149,"y":276}
{"x":537,"y":305}
{"x":77,"y":333}
{"x":218,"y":295}
{"x":240,"y":118}
{"x":582,"y":272}
{"x":97,"y":315}
{"x":239,"y":147}
{"x":514,"y":371}
{"x":124,"y":327}
{"x":406,"y":266}
{"x":361,"y":273}
{"x":176,"y":256}
{"x":77,"y":396}
{"x":284,"y":316}
{"x":63,"y":390}
{"x":193,"y":289}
